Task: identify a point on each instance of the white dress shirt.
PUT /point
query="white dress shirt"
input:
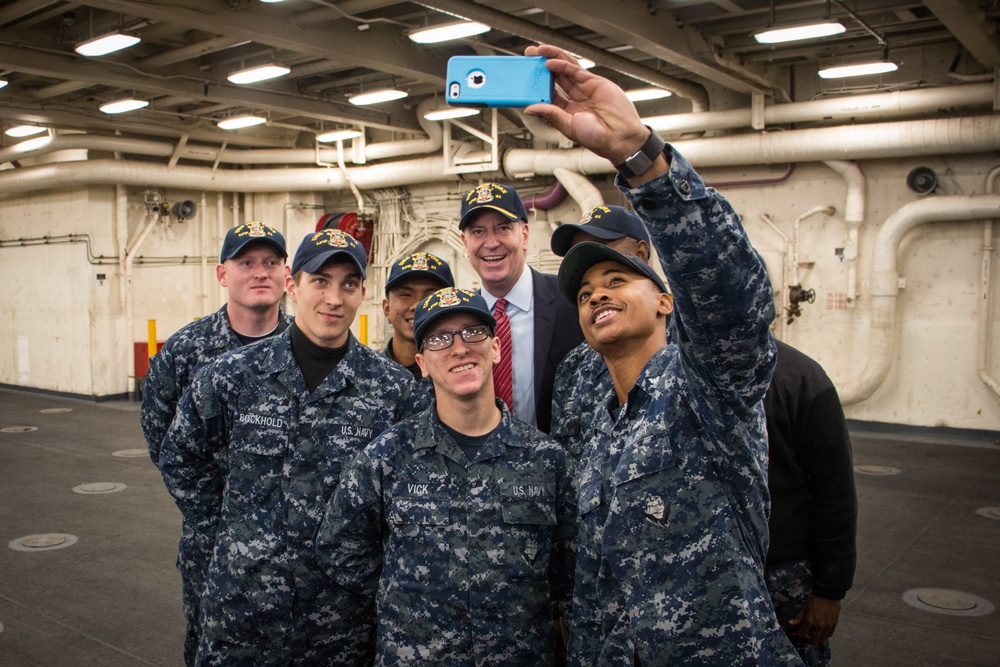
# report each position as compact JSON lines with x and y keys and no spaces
{"x":519,"y":311}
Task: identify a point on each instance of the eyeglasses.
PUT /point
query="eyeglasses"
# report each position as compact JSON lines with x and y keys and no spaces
{"x":442,"y":340}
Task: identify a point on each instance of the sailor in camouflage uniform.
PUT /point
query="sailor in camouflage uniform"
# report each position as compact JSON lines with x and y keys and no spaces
{"x":252,"y":269}
{"x":673,"y":495}
{"x":412,"y":279}
{"x":460,"y":520}
{"x":285,"y":414}
{"x":582,"y":380}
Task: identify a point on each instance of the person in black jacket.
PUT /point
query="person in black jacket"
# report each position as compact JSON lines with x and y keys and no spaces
{"x":814,"y":506}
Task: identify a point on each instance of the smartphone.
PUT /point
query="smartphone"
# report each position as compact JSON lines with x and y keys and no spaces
{"x":498,"y":81}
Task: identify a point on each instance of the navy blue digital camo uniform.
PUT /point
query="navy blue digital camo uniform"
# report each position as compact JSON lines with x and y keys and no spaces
{"x":673,"y":491}
{"x":470,"y":560}
{"x":256,"y":514}
{"x":174,"y":366}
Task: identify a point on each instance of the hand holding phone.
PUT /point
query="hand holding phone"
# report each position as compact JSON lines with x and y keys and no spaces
{"x":498,"y":81}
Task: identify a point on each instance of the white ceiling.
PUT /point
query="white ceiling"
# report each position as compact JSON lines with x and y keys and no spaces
{"x":702,"y":50}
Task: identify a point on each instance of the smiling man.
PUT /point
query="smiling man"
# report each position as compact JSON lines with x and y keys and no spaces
{"x":254,"y":455}
{"x":673,"y":484}
{"x":252,"y":269}
{"x":535,"y":327}
{"x":460,"y":520}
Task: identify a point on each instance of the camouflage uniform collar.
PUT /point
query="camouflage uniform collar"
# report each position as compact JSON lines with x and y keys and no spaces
{"x":494,"y":447}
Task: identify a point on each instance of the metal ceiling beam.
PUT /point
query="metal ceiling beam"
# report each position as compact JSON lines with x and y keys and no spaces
{"x":41,"y":63}
{"x":655,"y":33}
{"x":966,"y":21}
{"x":536,"y":33}
{"x":378,"y":48}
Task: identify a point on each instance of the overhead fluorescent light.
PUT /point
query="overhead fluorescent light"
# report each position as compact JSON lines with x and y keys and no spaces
{"x":796,"y":33}
{"x":32,"y":144}
{"x":124,"y":105}
{"x":585,"y":63}
{"x":238,"y":122}
{"x":861,"y":69}
{"x":24,"y":130}
{"x":643,"y":94}
{"x":376,"y":96}
{"x":448,"y":32}
{"x":451,"y":112}
{"x":337,"y":135}
{"x":258,"y":73}
{"x":3,"y":83}
{"x":105,"y":44}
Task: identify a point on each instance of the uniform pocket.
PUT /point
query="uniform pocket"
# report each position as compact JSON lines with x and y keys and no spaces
{"x":529,"y":519}
{"x":419,"y":535}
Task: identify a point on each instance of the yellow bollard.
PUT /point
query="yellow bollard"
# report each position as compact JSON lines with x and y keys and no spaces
{"x":151,"y":338}
{"x":363,"y":330}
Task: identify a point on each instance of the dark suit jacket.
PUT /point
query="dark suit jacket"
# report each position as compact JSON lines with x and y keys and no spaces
{"x":557,"y":331}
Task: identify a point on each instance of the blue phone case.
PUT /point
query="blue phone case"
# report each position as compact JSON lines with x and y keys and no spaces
{"x":498,"y":81}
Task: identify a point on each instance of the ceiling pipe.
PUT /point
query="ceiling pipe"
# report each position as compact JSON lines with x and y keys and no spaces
{"x":978,"y":134}
{"x":885,"y":105}
{"x":885,"y":280}
{"x":856,"y":107}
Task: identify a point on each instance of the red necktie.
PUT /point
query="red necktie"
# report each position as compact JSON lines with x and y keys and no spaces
{"x":503,"y":371}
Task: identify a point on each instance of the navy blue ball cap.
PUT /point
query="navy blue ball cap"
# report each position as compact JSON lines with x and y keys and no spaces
{"x":582,"y":256}
{"x":449,"y":301}
{"x":318,"y":248}
{"x":419,"y":265}
{"x":502,"y":198}
{"x":241,"y":236}
{"x":608,"y":223}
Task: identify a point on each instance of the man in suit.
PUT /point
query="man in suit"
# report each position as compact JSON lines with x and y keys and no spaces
{"x":542,"y":326}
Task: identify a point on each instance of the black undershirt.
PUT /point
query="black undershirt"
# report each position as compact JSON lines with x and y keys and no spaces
{"x":314,"y":360}
{"x":470,"y":444}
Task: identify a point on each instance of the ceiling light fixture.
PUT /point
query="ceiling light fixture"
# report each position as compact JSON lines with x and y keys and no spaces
{"x":337,"y":135}
{"x":377,"y":96}
{"x":3,"y":83}
{"x":105,"y":44}
{"x":795,"y":33}
{"x":258,"y":73}
{"x":238,"y":122}
{"x":448,"y":113}
{"x":860,"y":69}
{"x":448,"y":32}
{"x":124,"y":105}
{"x":24,"y":130}
{"x":643,"y":94}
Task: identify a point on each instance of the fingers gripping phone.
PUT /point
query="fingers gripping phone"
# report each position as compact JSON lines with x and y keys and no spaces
{"x":498,"y":81}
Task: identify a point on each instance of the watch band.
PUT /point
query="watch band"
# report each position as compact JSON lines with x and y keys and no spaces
{"x":643,"y":158}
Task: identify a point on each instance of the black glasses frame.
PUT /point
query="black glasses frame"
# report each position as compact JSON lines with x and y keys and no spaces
{"x":473,"y":334}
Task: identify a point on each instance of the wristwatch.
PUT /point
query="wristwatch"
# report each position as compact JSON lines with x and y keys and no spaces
{"x":643,"y":158}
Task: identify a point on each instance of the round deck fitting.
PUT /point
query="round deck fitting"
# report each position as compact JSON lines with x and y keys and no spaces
{"x":131,"y":453}
{"x":99,"y":487}
{"x":18,"y":429}
{"x":945,"y":601}
{"x":43,"y":542}
{"x":876,"y":470}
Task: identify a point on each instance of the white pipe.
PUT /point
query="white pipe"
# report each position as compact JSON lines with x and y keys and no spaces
{"x":220,"y":228}
{"x":856,"y":107}
{"x":202,"y":250}
{"x":126,"y":270}
{"x":583,"y":192}
{"x":985,"y":294}
{"x":885,"y":279}
{"x":780,"y":289}
{"x":829,"y":210}
{"x":854,"y":216}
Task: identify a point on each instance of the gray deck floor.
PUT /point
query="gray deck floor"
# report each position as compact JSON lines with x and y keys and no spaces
{"x":113,"y":597}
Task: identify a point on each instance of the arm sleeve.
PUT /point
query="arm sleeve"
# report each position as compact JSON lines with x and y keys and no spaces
{"x":563,"y":562}
{"x":724,"y":302}
{"x":159,"y":401}
{"x":833,"y":507}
